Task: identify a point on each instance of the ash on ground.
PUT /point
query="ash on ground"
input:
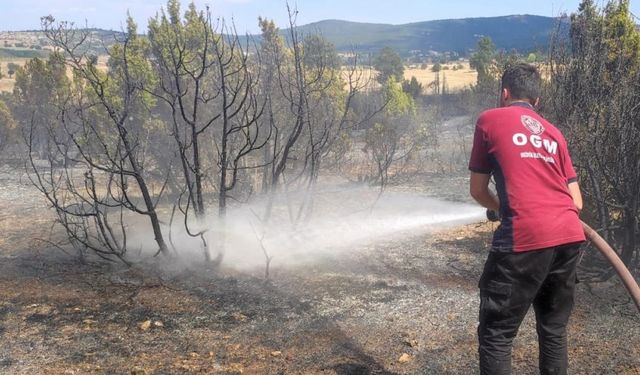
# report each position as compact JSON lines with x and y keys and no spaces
{"x":396,"y":305}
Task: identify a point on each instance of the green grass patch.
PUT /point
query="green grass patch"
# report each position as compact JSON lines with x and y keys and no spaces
{"x":21,"y":53}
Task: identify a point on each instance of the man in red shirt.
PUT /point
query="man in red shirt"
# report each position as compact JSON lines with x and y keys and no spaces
{"x":535,"y":249}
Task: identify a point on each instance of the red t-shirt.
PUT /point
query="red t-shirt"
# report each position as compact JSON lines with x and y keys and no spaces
{"x":530,"y":162}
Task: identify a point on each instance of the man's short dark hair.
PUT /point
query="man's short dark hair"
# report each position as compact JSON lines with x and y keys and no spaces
{"x":523,"y":81}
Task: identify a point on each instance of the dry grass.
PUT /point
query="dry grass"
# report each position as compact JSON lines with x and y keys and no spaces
{"x":6,"y":83}
{"x":456,"y":79}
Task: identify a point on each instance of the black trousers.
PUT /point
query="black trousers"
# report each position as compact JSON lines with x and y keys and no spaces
{"x":510,"y":284}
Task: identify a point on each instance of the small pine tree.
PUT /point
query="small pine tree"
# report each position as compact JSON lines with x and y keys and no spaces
{"x":12,"y":68}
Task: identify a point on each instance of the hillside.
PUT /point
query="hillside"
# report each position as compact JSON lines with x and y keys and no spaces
{"x":524,"y":33}
{"x":33,"y":43}
{"x":521,"y":32}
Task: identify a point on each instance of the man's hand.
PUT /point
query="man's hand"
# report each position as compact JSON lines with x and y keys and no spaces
{"x":493,"y":215}
{"x":479,"y":189}
{"x":574,"y":190}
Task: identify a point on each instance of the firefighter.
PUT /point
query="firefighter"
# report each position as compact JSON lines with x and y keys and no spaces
{"x":535,"y":249}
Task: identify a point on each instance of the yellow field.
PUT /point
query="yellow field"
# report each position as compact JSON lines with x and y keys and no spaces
{"x":456,"y":79}
{"x":6,"y":83}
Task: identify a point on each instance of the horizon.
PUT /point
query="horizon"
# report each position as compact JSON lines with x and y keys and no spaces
{"x":141,"y":32}
{"x":244,"y":13}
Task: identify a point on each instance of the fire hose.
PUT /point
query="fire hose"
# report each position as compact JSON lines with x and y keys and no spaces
{"x":611,"y":256}
{"x":607,"y":251}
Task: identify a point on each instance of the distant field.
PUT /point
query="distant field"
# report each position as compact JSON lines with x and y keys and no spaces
{"x":6,"y":83}
{"x":456,"y":79}
{"x":20,"y":53}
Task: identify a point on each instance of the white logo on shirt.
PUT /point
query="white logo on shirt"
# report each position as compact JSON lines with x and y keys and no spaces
{"x":536,"y":141}
{"x":533,"y":125}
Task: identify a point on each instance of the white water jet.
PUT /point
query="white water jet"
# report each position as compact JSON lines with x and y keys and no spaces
{"x":339,"y":228}
{"x":343,"y":220}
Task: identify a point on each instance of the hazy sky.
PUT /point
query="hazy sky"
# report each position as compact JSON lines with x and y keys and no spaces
{"x":110,"y":14}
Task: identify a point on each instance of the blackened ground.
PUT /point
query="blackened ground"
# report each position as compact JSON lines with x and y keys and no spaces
{"x":412,"y":297}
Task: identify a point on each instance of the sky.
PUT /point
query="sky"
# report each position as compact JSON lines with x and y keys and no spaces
{"x":110,"y":14}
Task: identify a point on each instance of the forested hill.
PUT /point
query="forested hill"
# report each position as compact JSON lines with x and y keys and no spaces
{"x":521,"y":32}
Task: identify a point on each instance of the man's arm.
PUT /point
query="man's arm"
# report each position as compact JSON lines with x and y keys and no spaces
{"x":479,"y":189}
{"x":574,"y":190}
